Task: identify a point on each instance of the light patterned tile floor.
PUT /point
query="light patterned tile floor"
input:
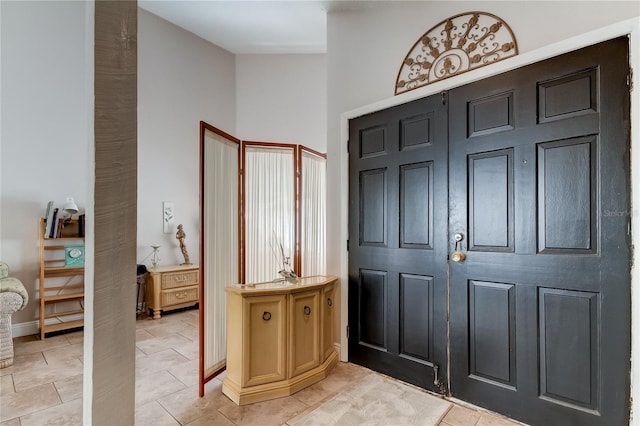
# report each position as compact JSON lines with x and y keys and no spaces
{"x":44,"y":386}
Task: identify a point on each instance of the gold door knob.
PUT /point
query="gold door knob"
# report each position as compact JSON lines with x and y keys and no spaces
{"x":458,"y":256}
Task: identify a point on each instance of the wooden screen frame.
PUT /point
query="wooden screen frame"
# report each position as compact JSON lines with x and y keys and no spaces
{"x":203,"y":378}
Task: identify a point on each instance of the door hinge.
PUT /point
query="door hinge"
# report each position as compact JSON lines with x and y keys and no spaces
{"x":348,"y":145}
{"x":347,"y":331}
{"x":347,"y":245}
{"x":443,"y":97}
{"x":630,"y":79}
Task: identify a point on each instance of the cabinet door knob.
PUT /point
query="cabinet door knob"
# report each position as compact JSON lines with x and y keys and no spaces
{"x":307,"y":310}
{"x":266,"y":316}
{"x":329,"y":301}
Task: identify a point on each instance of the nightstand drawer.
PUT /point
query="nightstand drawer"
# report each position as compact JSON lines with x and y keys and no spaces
{"x":179,"y":279}
{"x":175,"y":297}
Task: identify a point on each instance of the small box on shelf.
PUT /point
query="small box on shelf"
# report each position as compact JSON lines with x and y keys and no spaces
{"x":70,"y":229}
{"x":74,"y":256}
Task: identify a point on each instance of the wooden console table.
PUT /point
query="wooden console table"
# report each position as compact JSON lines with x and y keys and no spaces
{"x":279,"y":338}
{"x":172,"y":287}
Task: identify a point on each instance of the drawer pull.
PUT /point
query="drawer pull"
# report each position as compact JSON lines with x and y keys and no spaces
{"x":307,"y":310}
{"x":181,"y":295}
{"x":329,"y":301}
{"x":266,"y":316}
{"x":180,"y":279}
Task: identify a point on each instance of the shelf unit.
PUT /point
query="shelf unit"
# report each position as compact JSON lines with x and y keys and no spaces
{"x":61,"y":287}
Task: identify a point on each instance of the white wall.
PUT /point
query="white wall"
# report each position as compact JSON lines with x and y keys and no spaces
{"x":282,"y":98}
{"x":182,"y":79}
{"x":44,"y":127}
{"x":366,"y":47}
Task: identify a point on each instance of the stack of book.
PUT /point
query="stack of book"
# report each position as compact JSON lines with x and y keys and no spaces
{"x":51,"y":221}
{"x":55,"y":224}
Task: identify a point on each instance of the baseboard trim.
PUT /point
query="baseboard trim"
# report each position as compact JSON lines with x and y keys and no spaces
{"x":25,"y":328}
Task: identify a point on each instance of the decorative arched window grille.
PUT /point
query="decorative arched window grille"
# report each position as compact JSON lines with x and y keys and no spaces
{"x":456,"y":45}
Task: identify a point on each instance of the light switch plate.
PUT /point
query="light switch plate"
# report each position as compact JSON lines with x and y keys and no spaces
{"x":168,"y":217}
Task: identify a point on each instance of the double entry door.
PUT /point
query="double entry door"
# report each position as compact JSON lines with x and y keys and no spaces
{"x":489,"y":234}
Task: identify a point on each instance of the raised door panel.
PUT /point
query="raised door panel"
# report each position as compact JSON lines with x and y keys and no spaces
{"x":264,"y":339}
{"x":492,"y":332}
{"x":567,"y":217}
{"x":416,"y":318}
{"x":569,"y":355}
{"x":416,"y":205}
{"x":304,"y":332}
{"x":372,"y":207}
{"x":491,"y":201}
{"x":328,"y":308}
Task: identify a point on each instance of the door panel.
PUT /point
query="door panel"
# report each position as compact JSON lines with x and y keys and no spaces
{"x":327,"y":302}
{"x":540,"y":328}
{"x":492,"y":332}
{"x":491,"y":201}
{"x":304,"y":329}
{"x":567,"y":189}
{"x":416,"y":307}
{"x":373,"y":207}
{"x":373,"y":309}
{"x":265,"y":342}
{"x":397,"y":234}
{"x":416,"y":205}
{"x":563,"y":377}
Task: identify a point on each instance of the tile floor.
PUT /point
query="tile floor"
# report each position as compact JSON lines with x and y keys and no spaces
{"x":44,"y":386}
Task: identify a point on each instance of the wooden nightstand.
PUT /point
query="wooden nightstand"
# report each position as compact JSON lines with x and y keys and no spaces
{"x":172,"y":287}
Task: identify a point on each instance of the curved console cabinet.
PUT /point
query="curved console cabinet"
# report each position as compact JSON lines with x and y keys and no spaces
{"x":279,"y":338}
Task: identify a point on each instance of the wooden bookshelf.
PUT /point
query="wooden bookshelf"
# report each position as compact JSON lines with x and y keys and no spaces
{"x":61,"y":286}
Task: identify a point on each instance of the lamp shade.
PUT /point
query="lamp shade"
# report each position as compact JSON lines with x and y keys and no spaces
{"x":70,"y":206}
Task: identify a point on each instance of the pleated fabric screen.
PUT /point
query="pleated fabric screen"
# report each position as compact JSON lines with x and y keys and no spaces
{"x":312,"y":213}
{"x":219,"y":248}
{"x":269,"y":209}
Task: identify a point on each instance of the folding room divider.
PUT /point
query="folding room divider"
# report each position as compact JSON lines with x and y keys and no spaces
{"x":260,"y":202}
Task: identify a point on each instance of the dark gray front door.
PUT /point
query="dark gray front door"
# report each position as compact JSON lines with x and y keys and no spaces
{"x":538,"y":188}
{"x":538,"y":175}
{"x":398,"y":242}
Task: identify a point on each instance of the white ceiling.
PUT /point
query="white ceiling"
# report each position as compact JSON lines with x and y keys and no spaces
{"x":255,"y":26}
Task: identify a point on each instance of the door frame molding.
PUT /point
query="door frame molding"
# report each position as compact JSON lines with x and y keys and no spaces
{"x":630,"y":27}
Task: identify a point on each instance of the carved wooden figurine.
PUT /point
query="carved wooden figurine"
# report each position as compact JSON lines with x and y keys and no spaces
{"x":180,"y":236}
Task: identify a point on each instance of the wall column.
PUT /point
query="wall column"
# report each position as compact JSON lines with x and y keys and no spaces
{"x":115,"y":215}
